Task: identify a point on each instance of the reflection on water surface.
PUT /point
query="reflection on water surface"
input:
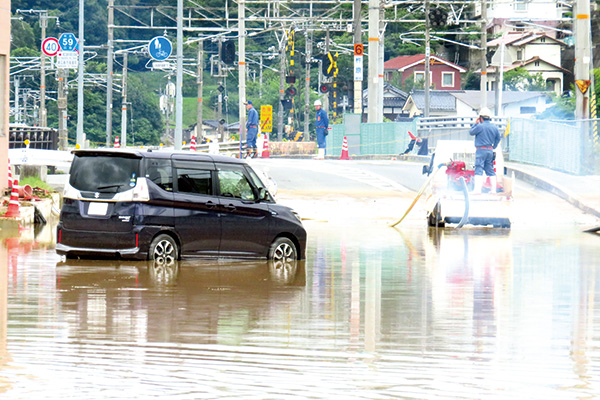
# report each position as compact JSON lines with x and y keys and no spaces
{"x":373,"y":312}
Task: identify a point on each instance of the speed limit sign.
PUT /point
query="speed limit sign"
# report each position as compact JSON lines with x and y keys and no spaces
{"x":50,"y":46}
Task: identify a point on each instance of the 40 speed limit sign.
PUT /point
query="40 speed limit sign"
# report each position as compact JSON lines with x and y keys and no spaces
{"x":50,"y":46}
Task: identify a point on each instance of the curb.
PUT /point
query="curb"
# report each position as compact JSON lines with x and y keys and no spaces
{"x":553,"y":188}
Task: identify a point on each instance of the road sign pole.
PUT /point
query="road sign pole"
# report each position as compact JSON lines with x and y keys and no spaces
{"x":43,"y":121}
{"x":80,"y":133}
{"x":178,"y":136}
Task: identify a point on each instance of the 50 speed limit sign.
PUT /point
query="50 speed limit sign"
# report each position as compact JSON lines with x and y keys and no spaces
{"x":50,"y":46}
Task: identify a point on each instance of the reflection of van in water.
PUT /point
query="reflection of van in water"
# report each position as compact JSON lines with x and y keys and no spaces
{"x":157,"y":204}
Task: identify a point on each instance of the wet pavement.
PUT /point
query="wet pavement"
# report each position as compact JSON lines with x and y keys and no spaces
{"x":373,"y":313}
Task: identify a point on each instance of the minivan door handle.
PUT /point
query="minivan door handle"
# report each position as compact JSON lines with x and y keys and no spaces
{"x":230,"y":207}
{"x":211,"y":204}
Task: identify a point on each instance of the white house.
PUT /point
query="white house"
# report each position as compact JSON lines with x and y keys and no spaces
{"x":514,"y":104}
{"x":467,"y":103}
{"x":537,"y":52}
{"x":506,"y":15}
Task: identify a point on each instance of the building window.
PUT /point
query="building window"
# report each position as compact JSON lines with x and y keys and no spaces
{"x":447,"y":79}
{"x":519,"y":55}
{"x":420,"y":76}
{"x":537,"y":63}
{"x":520,"y":5}
{"x":527,"y":110}
{"x":543,"y":40}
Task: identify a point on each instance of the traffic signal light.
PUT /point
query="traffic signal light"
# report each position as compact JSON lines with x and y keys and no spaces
{"x":291,"y":91}
{"x":290,"y":79}
{"x":228,"y":52}
{"x":220,"y":88}
{"x":438,"y":17}
{"x":327,"y":64}
{"x":324,"y":88}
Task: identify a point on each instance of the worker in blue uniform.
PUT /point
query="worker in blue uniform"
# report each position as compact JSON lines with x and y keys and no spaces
{"x":321,"y":125}
{"x":487,"y":138}
{"x":251,"y":130}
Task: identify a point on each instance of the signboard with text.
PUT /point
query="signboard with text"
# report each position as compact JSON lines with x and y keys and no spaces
{"x":67,"y":59}
{"x":266,"y":118}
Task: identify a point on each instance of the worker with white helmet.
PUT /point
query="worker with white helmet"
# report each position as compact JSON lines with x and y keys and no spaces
{"x":321,"y":125}
{"x":487,"y":138}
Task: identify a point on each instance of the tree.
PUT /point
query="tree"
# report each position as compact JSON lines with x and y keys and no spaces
{"x":522,"y":80}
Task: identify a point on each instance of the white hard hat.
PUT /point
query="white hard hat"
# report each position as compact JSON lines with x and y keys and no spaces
{"x":485,"y":112}
{"x":317,"y":102}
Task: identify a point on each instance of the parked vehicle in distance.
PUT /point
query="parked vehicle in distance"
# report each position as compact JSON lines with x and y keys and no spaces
{"x":167,"y":205}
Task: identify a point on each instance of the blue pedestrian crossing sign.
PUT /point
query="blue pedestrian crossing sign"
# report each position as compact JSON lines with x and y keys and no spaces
{"x":160,"y":48}
{"x":68,"y":42}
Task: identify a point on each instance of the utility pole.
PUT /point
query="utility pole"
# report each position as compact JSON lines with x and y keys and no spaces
{"x":356,"y":9}
{"x":582,"y":59}
{"x":483,"y":84}
{"x":124,"y":102}
{"x":109,"y":72}
{"x":43,"y":120}
{"x":200,"y":82}
{"x":242,"y":67}
{"x":61,"y":101}
{"x":308,"y":54}
{"x":17,"y":99}
{"x":220,"y":115}
{"x":380,"y":66}
{"x":427,"y":60}
{"x":260,"y":77}
{"x":373,"y":112}
{"x":178,"y":136}
{"x":281,"y":87}
{"x":80,"y":134}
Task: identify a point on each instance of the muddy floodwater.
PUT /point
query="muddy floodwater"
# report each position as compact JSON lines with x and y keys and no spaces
{"x":373,"y":313}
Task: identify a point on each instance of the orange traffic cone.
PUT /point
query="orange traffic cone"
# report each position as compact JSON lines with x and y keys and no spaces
{"x":344,"y":155}
{"x":117,"y":144}
{"x":193,"y":144}
{"x":265,"y":152}
{"x":412,"y":137}
{"x":13,"y":204}
{"x":10,"y":178}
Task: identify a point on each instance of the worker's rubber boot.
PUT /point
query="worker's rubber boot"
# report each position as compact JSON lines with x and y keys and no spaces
{"x":493,"y":181}
{"x":321,"y":154}
{"x":478,"y":184}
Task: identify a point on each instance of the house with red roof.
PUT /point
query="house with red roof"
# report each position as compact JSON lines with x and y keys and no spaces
{"x":443,"y":75}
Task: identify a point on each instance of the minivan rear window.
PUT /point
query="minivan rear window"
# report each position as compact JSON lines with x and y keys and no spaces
{"x":100,"y":173}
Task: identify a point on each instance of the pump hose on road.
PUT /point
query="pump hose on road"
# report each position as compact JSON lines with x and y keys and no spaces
{"x":465,"y":217}
{"x":419,"y":194}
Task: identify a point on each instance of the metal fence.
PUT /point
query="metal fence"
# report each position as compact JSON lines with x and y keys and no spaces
{"x":370,"y":138}
{"x":568,"y":146}
{"x":39,"y":138}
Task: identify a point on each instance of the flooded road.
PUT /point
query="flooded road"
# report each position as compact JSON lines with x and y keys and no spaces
{"x":373,"y":313}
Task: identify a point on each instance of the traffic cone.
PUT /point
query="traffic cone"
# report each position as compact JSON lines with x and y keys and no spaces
{"x":344,"y":155}
{"x":193,"y":144}
{"x":117,"y":144}
{"x":13,"y":204}
{"x":412,"y":137}
{"x":10,"y":178}
{"x":265,"y":152}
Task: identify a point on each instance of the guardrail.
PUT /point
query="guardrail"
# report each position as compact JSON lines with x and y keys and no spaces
{"x":61,"y":159}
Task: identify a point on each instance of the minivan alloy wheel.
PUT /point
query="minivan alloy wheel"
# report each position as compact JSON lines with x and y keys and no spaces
{"x":164,"y":249}
{"x":283,"y":249}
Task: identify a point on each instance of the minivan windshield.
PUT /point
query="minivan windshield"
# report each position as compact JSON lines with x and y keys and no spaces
{"x":100,"y":173}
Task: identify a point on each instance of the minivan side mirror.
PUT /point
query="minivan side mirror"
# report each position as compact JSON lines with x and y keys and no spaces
{"x":263,"y":194}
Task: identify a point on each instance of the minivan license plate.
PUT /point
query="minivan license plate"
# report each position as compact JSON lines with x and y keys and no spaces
{"x":96,"y":208}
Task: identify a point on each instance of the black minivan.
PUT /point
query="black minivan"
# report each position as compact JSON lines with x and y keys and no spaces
{"x":167,"y":205}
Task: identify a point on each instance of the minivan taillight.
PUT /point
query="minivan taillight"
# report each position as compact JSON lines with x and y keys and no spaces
{"x":140,"y":191}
